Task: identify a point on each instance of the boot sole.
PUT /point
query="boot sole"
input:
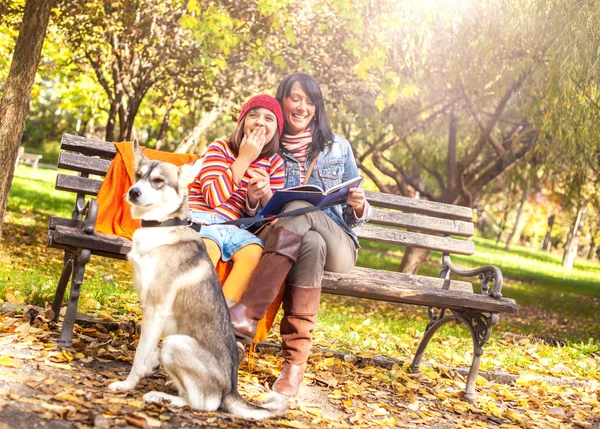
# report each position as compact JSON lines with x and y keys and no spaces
{"x":242,"y":338}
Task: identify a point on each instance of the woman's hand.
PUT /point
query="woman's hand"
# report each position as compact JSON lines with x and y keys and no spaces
{"x":356,"y":199}
{"x":252,"y":145}
{"x":259,"y":186}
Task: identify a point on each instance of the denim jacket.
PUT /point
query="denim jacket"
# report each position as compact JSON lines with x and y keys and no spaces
{"x":334,"y":166}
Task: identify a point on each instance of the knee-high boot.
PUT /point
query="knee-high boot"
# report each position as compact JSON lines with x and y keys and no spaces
{"x":300,"y":307}
{"x":279,"y":255}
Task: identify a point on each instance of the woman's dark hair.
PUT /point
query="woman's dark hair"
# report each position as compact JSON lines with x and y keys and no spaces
{"x":322,"y":136}
{"x":234,"y":141}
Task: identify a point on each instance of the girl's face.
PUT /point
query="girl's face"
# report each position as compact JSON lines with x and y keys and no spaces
{"x":261,"y":118}
{"x":298,"y":110}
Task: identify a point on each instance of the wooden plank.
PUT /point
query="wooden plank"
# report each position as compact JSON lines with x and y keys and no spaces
{"x":65,"y":182}
{"x":422,"y":223}
{"x":87,"y":146}
{"x":373,"y":278}
{"x":69,"y":236}
{"x":53,"y":244}
{"x":64,"y":221}
{"x":83,"y":164}
{"x":417,"y":295}
{"x":415,"y":239}
{"x":412,"y":205}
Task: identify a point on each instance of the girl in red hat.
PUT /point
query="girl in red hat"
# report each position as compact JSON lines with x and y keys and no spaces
{"x":239,"y":174}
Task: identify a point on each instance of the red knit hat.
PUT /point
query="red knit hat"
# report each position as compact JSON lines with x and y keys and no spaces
{"x":268,"y":102}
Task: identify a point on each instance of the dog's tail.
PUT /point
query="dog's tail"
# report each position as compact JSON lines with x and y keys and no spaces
{"x":273,"y":405}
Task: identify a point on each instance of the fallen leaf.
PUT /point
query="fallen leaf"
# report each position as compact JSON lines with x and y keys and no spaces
{"x":7,"y":361}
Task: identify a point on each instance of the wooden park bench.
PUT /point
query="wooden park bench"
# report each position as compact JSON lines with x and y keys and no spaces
{"x":30,"y":159}
{"x":397,"y":220}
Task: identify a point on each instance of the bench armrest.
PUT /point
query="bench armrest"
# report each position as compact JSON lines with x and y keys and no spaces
{"x":87,"y":209}
{"x":90,"y":211}
{"x":487,"y":274}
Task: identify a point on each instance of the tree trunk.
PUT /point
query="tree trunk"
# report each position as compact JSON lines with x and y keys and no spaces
{"x":412,"y":259}
{"x":573,"y":238}
{"x":519,"y":214}
{"x":17,"y":90}
{"x":593,"y":249}
{"x":192,"y":137}
{"x":547,"y":243}
{"x":165,"y":123}
{"x":451,"y":168}
{"x":112,"y":122}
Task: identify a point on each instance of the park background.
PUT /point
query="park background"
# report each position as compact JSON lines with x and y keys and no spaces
{"x":493,"y":105}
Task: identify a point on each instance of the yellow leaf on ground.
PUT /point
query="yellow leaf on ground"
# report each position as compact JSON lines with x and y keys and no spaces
{"x":525,"y":379}
{"x":293,"y":424}
{"x":7,"y":361}
{"x":23,"y":328}
{"x":68,"y":397}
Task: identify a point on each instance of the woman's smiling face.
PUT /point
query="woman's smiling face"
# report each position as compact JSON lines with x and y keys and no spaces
{"x":298,"y":110}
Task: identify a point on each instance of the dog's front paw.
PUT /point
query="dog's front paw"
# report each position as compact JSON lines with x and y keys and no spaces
{"x":121,"y":386}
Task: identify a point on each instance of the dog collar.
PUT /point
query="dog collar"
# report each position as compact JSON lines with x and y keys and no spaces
{"x":171,"y":222}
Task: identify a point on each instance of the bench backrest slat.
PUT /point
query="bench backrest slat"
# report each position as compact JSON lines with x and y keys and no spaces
{"x":412,"y":205}
{"x":83,"y":164}
{"x":84,"y":185}
{"x":415,"y":239}
{"x":427,"y":224}
{"x":88,"y":147}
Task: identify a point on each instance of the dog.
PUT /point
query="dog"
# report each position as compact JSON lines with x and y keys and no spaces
{"x":181,"y":299}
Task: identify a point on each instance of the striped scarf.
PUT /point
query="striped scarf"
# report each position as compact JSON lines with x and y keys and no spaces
{"x":299,"y":147}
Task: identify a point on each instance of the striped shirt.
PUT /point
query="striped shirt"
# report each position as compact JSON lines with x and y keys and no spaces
{"x":214,"y":189}
{"x":298,"y":146}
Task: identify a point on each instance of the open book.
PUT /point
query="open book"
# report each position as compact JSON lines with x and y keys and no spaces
{"x":311,"y":193}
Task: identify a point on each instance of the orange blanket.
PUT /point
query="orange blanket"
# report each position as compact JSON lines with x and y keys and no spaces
{"x":114,"y":215}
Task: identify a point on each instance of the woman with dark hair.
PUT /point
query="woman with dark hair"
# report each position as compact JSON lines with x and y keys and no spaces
{"x":299,"y":249}
{"x":243,"y":167}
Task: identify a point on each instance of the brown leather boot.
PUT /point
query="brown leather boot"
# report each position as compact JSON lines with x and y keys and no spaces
{"x":300,"y":306}
{"x":279,"y":255}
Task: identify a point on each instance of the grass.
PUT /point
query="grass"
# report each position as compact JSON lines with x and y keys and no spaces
{"x":550,"y":304}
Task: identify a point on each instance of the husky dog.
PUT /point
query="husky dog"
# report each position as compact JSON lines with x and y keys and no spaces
{"x":181,"y":299}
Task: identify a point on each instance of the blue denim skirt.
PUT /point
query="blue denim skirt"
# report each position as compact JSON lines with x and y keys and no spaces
{"x":229,"y":238}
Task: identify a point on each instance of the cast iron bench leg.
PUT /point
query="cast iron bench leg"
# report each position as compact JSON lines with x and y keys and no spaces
{"x":480,"y":326}
{"x":62,"y":283}
{"x":66,"y":333}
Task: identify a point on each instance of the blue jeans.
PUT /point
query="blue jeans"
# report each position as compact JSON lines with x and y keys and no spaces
{"x":229,"y":238}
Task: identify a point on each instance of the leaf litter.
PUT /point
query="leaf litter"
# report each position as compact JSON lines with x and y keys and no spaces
{"x":340,"y":390}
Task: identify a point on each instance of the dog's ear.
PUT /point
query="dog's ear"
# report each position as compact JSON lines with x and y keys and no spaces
{"x":138,"y":154}
{"x":189,"y":172}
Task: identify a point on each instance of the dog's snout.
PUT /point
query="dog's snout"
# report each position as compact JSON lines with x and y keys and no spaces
{"x":134,"y":194}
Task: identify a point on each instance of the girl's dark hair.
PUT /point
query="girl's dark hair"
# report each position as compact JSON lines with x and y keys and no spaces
{"x":322,"y":136}
{"x":234,"y":141}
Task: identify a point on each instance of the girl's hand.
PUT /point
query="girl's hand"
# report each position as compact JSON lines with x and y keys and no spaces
{"x":252,"y":144}
{"x":259,"y":186}
{"x":356,"y":199}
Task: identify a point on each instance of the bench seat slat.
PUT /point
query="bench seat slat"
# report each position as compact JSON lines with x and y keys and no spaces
{"x":412,"y":205}
{"x":63,"y":221}
{"x":75,"y":237}
{"x":87,"y":146}
{"x":83,"y":164}
{"x":54,"y":244}
{"x":415,"y":239}
{"x":422,"y":223}
{"x":406,"y":290}
{"x":85,"y":185}
{"x":373,"y":277}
